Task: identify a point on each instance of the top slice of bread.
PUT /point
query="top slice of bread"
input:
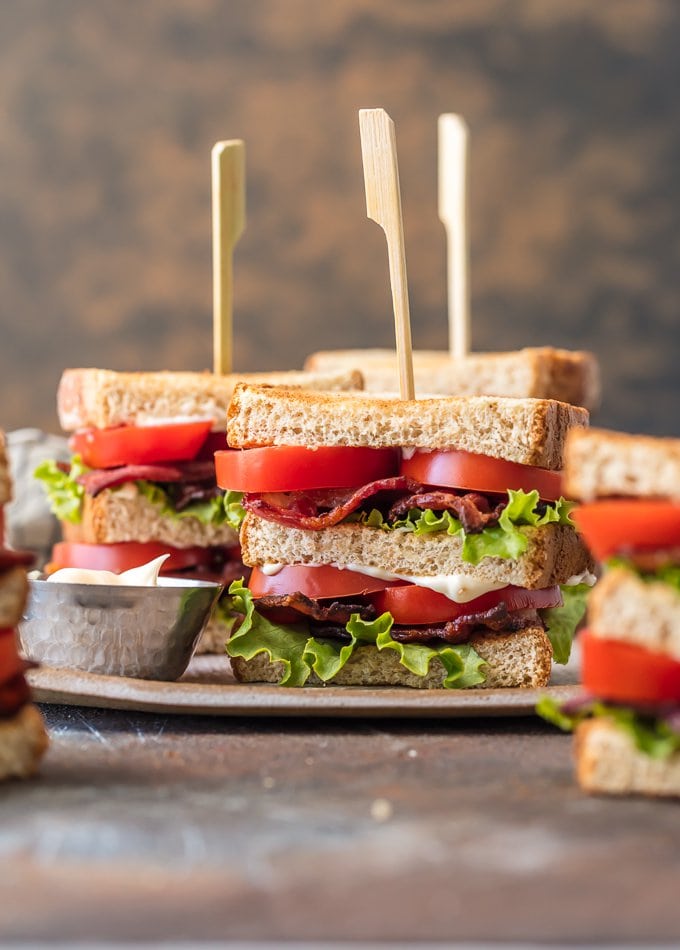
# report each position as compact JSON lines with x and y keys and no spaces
{"x":5,"y":478}
{"x":601,"y":464}
{"x":101,"y":398}
{"x":537,"y":372}
{"x":529,"y":431}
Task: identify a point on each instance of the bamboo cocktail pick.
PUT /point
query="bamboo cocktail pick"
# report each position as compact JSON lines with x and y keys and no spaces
{"x":383,"y":205}
{"x":453,"y":138}
{"x":228,"y":222}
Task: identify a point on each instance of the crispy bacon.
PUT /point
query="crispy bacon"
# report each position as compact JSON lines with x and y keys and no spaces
{"x":10,"y":559}
{"x":459,"y":630}
{"x":306,"y":509}
{"x":337,"y":612}
{"x":97,"y":479}
{"x":472,"y":509}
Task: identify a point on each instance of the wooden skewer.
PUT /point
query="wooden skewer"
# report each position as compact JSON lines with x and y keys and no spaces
{"x":228,"y":222}
{"x":453,"y":139}
{"x":383,"y":205}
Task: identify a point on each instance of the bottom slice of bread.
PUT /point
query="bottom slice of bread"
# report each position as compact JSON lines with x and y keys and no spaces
{"x":23,"y":742}
{"x":607,"y":761}
{"x":514,"y":659}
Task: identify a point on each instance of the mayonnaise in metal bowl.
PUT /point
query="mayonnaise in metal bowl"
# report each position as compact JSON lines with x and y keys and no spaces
{"x":132,"y":624}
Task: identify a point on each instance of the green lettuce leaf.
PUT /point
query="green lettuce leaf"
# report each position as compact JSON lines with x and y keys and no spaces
{"x":505,"y":540}
{"x":64,"y":494}
{"x":561,"y":622}
{"x":234,"y":509}
{"x":209,"y":511}
{"x":666,"y":573}
{"x":651,"y":735}
{"x":301,"y":653}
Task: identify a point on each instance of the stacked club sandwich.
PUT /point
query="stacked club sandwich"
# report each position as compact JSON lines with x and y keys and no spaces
{"x":22,"y":734}
{"x":401,"y":542}
{"x":142,"y":479}
{"x":537,"y":372}
{"x":628,"y":721}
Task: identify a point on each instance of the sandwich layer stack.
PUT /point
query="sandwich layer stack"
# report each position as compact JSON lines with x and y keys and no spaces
{"x":536,"y":372}
{"x":22,"y":734}
{"x":628,"y":723}
{"x":420,"y":543}
{"x":142,"y":479}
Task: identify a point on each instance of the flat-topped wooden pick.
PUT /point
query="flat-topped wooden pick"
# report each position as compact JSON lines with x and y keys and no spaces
{"x":383,"y":205}
{"x":228,"y":222}
{"x":453,"y":144}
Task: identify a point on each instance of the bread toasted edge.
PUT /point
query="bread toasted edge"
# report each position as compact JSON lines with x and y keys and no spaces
{"x":101,"y":398}
{"x":528,"y":431}
{"x":13,"y":593}
{"x":607,"y":762}
{"x":5,"y":477}
{"x":23,"y":742}
{"x":521,"y":659}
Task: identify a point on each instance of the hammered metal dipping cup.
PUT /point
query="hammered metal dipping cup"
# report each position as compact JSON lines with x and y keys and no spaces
{"x":145,"y":632}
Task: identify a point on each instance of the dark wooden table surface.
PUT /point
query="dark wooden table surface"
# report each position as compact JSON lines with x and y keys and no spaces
{"x":145,"y":826}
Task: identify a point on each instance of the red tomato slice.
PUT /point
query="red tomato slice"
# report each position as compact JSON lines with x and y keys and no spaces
{"x":126,"y":554}
{"x":626,"y":673}
{"x":318,"y":582}
{"x":455,"y":469}
{"x":139,"y":445}
{"x":10,"y":662}
{"x":296,"y":468}
{"x":413,"y":605}
{"x":623,"y":525}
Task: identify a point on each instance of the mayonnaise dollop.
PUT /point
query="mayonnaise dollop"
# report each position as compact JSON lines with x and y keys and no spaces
{"x":146,"y":575}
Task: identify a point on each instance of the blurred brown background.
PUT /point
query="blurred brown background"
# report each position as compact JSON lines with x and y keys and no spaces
{"x":108,"y":111}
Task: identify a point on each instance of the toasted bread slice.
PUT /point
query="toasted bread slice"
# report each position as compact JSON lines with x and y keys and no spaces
{"x":521,"y":659}
{"x":601,"y":464}
{"x":539,"y":373}
{"x":101,"y":398}
{"x":13,"y":592}
{"x":645,"y":613}
{"x":23,"y":742}
{"x":123,"y":514}
{"x":5,"y":478}
{"x":554,"y":552}
{"x":529,"y":431}
{"x":608,"y":762}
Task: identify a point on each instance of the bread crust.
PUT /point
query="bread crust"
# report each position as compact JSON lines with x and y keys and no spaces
{"x":529,"y":431}
{"x":608,"y":762}
{"x":625,"y":608}
{"x":536,"y":372}
{"x":101,"y":398}
{"x":554,"y":553}
{"x":13,"y":593}
{"x":123,"y":514}
{"x":600,"y":464}
{"x":521,"y":659}
{"x":23,"y":742}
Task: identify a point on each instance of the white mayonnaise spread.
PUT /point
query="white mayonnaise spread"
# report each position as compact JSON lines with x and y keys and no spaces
{"x":585,"y":578}
{"x":146,"y":575}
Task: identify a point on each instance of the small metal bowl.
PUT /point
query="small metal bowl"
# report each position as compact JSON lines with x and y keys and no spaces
{"x":145,"y":632}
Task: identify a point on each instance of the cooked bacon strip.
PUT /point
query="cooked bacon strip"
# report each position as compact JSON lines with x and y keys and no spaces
{"x":336,"y":612}
{"x":497,"y":618}
{"x":302,"y":509}
{"x":97,"y":480}
{"x":472,"y":509}
{"x":14,"y":694}
{"x":10,"y":559}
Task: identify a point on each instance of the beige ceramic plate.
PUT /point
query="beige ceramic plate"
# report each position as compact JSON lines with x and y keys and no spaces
{"x":209,"y":689}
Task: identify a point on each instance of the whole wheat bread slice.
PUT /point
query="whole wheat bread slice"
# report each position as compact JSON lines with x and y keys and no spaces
{"x":529,"y":431}
{"x":5,"y":477}
{"x":23,"y":742}
{"x":554,"y":553}
{"x":521,"y":659}
{"x":644,"y":613}
{"x":601,"y":464}
{"x":608,"y":762}
{"x":13,"y":593}
{"x":123,"y":514}
{"x":101,"y":398}
{"x":537,"y":372}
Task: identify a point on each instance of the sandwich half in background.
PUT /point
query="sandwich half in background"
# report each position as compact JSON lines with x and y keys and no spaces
{"x":538,"y":373}
{"x":22,"y":734}
{"x":141,"y":482}
{"x":628,"y":721}
{"x":417,"y":543}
